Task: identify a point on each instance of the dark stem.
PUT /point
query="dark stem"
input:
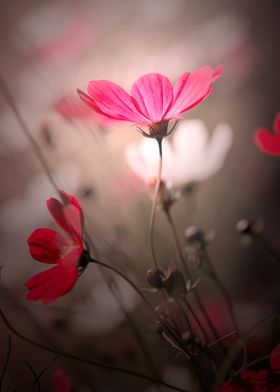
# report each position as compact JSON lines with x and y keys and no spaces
{"x":83,"y":360}
{"x":6,"y":361}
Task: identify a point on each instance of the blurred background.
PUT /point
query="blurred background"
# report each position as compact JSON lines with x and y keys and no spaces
{"x":51,"y":48}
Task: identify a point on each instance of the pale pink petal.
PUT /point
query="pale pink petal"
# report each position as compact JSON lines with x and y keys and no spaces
{"x":191,"y":88}
{"x":46,"y":245}
{"x":112,"y":101}
{"x":153,"y":94}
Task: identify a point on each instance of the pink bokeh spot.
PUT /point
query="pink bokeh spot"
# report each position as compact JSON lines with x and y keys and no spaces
{"x":266,"y":141}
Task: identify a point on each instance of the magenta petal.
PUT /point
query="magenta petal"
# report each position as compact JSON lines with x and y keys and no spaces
{"x":154,"y":95}
{"x":267,"y":142}
{"x":51,"y":284}
{"x":190,"y":89}
{"x":45,"y":245}
{"x":55,"y":208}
{"x":277,"y":125}
{"x":112,"y":101}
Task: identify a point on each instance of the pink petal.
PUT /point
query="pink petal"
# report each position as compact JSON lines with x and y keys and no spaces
{"x":55,"y":208}
{"x":112,"y":101}
{"x":45,"y":245}
{"x":277,"y":124}
{"x":153,"y":94}
{"x":267,"y":142}
{"x":275,"y":358}
{"x":191,"y":88}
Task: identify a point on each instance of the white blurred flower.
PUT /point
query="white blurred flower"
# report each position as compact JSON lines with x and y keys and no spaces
{"x":191,"y":156}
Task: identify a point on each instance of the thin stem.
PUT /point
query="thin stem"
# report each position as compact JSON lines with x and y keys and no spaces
{"x":263,"y":242}
{"x":228,"y":362}
{"x":10,"y":100}
{"x":154,"y":205}
{"x":83,"y":360}
{"x":256,"y":361}
{"x":187,"y":272}
{"x":204,"y":333}
{"x":6,"y":362}
{"x":177,"y":242}
{"x":135,"y":331}
{"x":212,"y":273}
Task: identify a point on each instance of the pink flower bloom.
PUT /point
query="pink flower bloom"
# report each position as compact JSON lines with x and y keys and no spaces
{"x":50,"y":247}
{"x":152,"y":101}
{"x":268,"y":142}
{"x":62,"y":383}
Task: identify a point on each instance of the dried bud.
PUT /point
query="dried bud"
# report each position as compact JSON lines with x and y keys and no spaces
{"x":175,"y":284}
{"x":155,"y":278}
{"x":195,"y":236}
{"x":244,"y":226}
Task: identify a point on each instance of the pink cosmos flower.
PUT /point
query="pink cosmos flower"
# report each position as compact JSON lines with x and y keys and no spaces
{"x":152,"y":101}
{"x":268,"y":142}
{"x":62,"y":383}
{"x":50,"y":247}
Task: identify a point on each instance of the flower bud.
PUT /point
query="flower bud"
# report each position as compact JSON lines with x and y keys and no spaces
{"x":175,"y":284}
{"x":155,"y":278}
{"x":195,"y":236}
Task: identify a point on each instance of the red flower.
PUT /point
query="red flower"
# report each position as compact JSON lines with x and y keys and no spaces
{"x":50,"y":247}
{"x":153,"y":101}
{"x":266,"y":380}
{"x":268,"y":142}
{"x":62,"y":383}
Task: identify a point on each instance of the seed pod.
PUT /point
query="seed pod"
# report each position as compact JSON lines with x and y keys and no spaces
{"x":155,"y":278}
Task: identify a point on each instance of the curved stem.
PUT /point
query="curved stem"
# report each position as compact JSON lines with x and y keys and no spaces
{"x":154,"y":205}
{"x":9,"y":98}
{"x":188,"y":274}
{"x":130,"y":282}
{"x":83,"y":360}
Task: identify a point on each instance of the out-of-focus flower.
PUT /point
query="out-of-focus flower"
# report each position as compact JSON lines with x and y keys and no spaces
{"x":153,"y":101}
{"x":266,"y":380}
{"x":62,"y":383}
{"x":268,"y":142}
{"x":56,"y":32}
{"x":50,"y":247}
{"x":262,"y":381}
{"x":71,"y":107}
{"x":191,"y":155}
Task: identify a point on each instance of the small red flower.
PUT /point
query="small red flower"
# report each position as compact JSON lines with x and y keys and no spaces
{"x":266,"y":380}
{"x":268,"y":142}
{"x":152,"y":101}
{"x":62,"y":383}
{"x":50,"y":247}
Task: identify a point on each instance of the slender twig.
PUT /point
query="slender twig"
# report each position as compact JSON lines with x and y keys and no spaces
{"x":44,"y":370}
{"x":187,"y":272}
{"x":154,"y":205}
{"x":135,"y":331}
{"x":263,"y":243}
{"x":6,"y":362}
{"x":83,"y":360}
{"x":213,"y":275}
{"x":256,"y":361}
{"x":233,"y":353}
{"x":34,"y":375}
{"x":10,"y":100}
